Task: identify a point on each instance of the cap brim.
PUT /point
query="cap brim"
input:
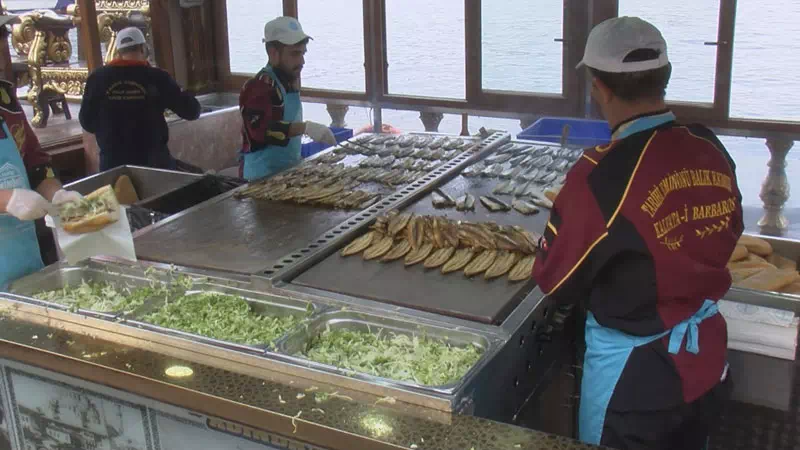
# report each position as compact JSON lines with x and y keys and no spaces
{"x":295,"y":38}
{"x":580,"y":65}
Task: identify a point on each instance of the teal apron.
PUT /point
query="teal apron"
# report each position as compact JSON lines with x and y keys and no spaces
{"x":272,"y":159}
{"x":607,"y":352}
{"x":19,"y":248}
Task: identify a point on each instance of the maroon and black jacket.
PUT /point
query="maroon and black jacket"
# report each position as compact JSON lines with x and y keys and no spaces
{"x":641,"y":234}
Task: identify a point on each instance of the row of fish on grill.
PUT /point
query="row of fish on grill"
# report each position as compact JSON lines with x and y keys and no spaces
{"x":467,"y":202}
{"x":542,"y":164}
{"x":330,"y":186}
{"x":396,"y":160}
{"x":440,"y":243}
{"x":407,"y":145}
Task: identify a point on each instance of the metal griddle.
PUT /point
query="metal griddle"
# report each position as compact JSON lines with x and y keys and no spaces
{"x":414,"y":287}
{"x":243,"y":236}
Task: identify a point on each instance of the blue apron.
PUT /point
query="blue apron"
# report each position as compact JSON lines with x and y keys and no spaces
{"x":607,"y":352}
{"x":272,"y":159}
{"x":19,"y":248}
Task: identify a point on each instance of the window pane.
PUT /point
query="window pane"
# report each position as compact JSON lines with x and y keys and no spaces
{"x":519,"y":53}
{"x":335,"y":58}
{"x":693,"y":63}
{"x":765,"y":65}
{"x":425,"y":47}
{"x":751,"y":157}
{"x":246,"y":19}
{"x":356,"y":118}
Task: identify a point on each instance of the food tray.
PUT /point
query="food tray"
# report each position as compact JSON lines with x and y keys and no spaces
{"x":148,"y":182}
{"x":352,"y":320}
{"x":58,"y":277}
{"x":787,"y":248}
{"x":262,"y":304}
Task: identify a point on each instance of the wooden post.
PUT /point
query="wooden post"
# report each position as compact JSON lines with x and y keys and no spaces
{"x":162,"y":36}
{"x":94,"y":60}
{"x":474,"y":51}
{"x":90,"y":34}
{"x":5,"y":53}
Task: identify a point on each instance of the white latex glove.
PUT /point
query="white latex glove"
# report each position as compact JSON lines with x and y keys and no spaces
{"x":320,"y":133}
{"x":63,"y":196}
{"x":26,"y":204}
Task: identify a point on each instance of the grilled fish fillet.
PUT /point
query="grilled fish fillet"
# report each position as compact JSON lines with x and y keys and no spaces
{"x":398,"y":222}
{"x":359,"y":244}
{"x":460,"y":258}
{"x":502,"y":264}
{"x":523,"y":269}
{"x":480,"y":263}
{"x":419,"y":254}
{"x":378,"y":248}
{"x":439,"y":257}
{"x":400,"y":249}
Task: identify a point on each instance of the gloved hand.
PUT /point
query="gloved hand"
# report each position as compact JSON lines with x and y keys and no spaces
{"x":320,"y":133}
{"x":26,"y":204}
{"x":64,"y":196}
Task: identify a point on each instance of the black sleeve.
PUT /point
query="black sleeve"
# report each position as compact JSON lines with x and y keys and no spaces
{"x":180,"y":102}
{"x":88,"y":113}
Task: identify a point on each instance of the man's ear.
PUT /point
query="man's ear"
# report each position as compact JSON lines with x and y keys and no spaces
{"x":602,"y":92}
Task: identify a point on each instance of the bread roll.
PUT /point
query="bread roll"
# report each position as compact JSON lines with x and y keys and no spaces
{"x":770,"y":279}
{"x":756,"y":245}
{"x":92,"y":213}
{"x":781,"y":263}
{"x":739,"y":253}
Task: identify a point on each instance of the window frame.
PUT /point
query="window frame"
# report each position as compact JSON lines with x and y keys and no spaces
{"x":573,"y":101}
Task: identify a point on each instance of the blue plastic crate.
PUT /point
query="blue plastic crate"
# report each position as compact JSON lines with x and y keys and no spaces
{"x":312,"y":148}
{"x":582,"y":132}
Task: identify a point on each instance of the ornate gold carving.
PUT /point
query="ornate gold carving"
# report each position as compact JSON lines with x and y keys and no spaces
{"x":59,"y":47}
{"x":111,"y":5}
{"x":69,"y":82}
{"x":22,"y":35}
{"x":43,"y":39}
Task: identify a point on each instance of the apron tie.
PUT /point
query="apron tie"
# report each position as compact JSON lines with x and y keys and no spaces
{"x":688,"y":329}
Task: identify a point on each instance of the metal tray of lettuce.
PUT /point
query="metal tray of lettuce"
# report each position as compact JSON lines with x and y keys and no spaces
{"x":260,"y":303}
{"x":294,"y":344}
{"x":58,"y":276}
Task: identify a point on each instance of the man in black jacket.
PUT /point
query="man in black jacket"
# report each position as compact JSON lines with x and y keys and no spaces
{"x":124,"y":103}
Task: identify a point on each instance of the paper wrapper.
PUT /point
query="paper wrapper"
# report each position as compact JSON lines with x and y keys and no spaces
{"x":758,"y":314}
{"x":113,"y":240}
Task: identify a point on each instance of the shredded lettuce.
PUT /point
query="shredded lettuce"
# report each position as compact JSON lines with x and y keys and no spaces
{"x":108,"y":297}
{"x":220,"y":316}
{"x":418,"y":359}
{"x":99,"y":296}
{"x":84,"y":207}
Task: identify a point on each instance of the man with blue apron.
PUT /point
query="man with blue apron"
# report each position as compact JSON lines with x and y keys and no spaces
{"x":22,"y":165}
{"x":272,"y":113}
{"x":639,"y":237}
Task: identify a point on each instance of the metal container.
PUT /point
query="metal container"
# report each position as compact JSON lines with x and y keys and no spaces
{"x":261,"y":304}
{"x":148,"y":182}
{"x":361,"y":321}
{"x":58,"y":276}
{"x":788,"y":248}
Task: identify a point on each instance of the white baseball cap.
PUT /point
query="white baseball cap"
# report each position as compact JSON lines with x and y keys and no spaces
{"x":612,"y":40}
{"x":284,"y":29}
{"x":128,"y":37}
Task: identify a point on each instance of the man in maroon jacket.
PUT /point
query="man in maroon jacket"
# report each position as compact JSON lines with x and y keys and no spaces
{"x":641,"y":234}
